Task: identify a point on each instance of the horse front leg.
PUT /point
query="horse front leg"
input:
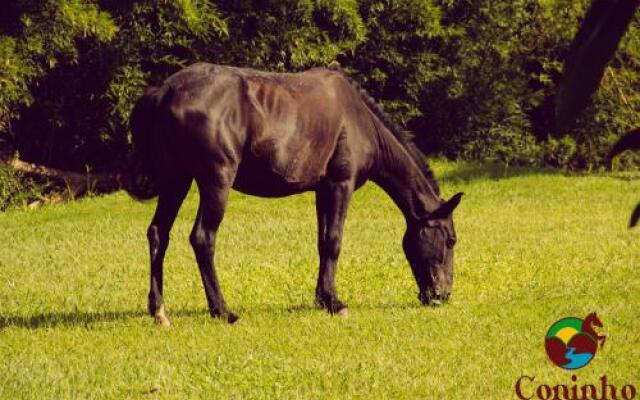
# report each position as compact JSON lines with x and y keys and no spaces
{"x":169,"y":202}
{"x":332,"y":201}
{"x":601,"y":339}
{"x":213,"y":199}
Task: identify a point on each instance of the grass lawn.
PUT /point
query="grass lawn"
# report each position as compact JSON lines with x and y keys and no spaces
{"x":533,"y":247}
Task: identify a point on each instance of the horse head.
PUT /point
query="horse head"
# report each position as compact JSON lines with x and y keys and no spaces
{"x":593,"y":320}
{"x":429,"y":249}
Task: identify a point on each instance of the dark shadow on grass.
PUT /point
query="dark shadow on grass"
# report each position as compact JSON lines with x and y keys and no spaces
{"x":79,"y":318}
{"x":624,"y":176}
{"x":85,"y":319}
{"x":468,"y":171}
{"x":303,"y":308}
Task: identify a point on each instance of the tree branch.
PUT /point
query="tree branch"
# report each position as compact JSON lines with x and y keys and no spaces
{"x":78,"y":183}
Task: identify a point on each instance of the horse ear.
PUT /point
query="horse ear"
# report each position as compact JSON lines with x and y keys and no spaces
{"x":447,"y":208}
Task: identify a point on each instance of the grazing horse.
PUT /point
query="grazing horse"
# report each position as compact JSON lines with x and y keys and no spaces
{"x":273,"y":135}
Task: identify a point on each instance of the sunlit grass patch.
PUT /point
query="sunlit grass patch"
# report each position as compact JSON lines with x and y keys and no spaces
{"x":534,"y":246}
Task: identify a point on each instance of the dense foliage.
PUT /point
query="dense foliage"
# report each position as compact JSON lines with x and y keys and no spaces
{"x":471,"y":78}
{"x":16,"y":190}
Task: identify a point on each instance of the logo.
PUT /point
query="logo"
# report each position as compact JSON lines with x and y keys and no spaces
{"x":572,"y":343}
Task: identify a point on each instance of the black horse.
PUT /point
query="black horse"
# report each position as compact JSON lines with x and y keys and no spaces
{"x":273,"y":135}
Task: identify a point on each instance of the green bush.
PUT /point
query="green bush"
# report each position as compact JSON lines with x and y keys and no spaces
{"x":16,"y":190}
{"x":472,"y":78}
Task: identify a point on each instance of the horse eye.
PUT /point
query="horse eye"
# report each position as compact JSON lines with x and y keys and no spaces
{"x":451,"y":242}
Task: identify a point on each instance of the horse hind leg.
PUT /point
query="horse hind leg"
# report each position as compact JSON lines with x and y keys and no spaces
{"x":169,"y":200}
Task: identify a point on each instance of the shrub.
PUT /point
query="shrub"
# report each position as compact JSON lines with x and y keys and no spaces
{"x":15,"y":189}
{"x":472,"y":78}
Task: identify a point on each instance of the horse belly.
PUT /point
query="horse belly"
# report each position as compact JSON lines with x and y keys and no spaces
{"x":257,"y":178}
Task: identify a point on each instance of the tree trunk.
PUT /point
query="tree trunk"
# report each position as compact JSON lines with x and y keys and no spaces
{"x":77,"y":183}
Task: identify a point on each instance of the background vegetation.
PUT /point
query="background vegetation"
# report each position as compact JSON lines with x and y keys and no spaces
{"x":471,"y":78}
{"x":74,"y":280}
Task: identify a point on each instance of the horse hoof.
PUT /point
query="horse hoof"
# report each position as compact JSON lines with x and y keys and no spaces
{"x":436,"y":303}
{"x":232,"y":318}
{"x":343,"y":312}
{"x":161,"y":318}
{"x":225,"y":316}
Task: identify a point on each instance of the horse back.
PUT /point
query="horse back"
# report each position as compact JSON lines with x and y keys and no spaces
{"x":296,"y":122}
{"x":283,"y":129}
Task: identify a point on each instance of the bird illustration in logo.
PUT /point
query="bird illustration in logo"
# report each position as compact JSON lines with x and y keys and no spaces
{"x":572,"y":343}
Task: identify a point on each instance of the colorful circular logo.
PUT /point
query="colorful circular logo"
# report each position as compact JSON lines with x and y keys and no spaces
{"x":572,"y":343}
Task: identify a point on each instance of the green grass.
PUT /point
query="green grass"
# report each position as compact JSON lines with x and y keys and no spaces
{"x":534,"y":246}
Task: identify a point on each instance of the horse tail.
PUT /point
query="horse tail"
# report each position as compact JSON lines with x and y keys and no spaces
{"x":139,"y":181}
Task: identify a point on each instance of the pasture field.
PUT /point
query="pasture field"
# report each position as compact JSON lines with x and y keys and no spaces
{"x":534,"y":246}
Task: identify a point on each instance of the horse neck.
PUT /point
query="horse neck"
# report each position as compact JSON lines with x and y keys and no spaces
{"x":587,"y":325}
{"x":397,"y":174}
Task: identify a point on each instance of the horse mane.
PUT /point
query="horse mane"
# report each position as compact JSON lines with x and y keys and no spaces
{"x":402,"y":135}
